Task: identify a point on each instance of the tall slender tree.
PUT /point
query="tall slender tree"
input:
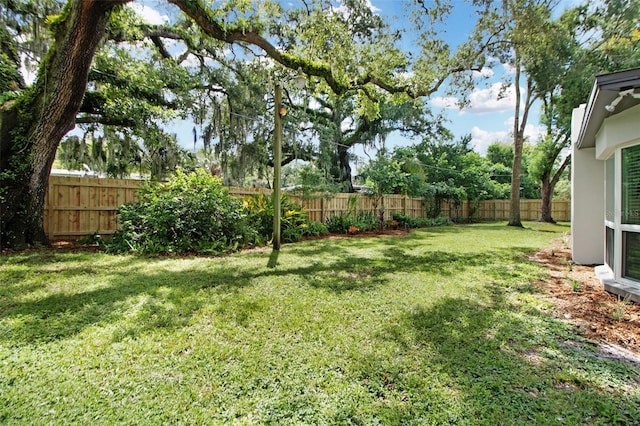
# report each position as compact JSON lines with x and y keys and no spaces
{"x":546,"y":66}
{"x":583,"y":42}
{"x":520,"y":31}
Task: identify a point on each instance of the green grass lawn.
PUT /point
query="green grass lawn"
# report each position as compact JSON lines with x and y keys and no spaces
{"x":442,"y":326}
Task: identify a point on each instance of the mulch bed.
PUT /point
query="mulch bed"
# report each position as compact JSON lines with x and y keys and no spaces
{"x":579,"y":297}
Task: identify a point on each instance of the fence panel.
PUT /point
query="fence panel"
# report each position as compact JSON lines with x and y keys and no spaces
{"x":79,"y":206}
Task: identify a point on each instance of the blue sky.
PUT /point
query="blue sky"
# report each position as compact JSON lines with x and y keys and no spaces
{"x":487,"y":118}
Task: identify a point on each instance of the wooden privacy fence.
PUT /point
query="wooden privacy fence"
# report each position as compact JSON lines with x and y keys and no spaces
{"x":80,"y":206}
{"x":320,"y":209}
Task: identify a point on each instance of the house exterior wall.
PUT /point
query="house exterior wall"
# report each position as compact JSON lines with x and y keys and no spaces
{"x":617,"y":131}
{"x":606,"y":182}
{"x":587,"y":200}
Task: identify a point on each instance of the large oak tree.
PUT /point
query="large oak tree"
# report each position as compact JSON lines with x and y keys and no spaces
{"x":34,"y":118}
{"x":32,"y":124}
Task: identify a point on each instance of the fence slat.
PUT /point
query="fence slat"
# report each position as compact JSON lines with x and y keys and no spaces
{"x":79,"y":206}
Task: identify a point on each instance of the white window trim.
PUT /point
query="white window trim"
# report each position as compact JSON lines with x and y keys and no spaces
{"x":618,"y":226}
{"x":612,"y":226}
{"x":634,"y":229}
{"x":616,"y":213}
{"x":617,"y":217}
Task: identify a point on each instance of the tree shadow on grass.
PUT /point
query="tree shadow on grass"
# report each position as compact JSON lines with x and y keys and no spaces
{"x":455,"y":361}
{"x":502,"y":366}
{"x":364,"y":264}
{"x":18,"y":273}
{"x":165,"y":296}
{"x":368,"y":272}
{"x":161,"y":298}
{"x":321,"y":246}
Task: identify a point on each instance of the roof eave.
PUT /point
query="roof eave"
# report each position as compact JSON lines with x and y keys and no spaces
{"x":605,"y":90}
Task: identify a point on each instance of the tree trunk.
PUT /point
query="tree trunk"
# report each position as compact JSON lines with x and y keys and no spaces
{"x":345,"y":169}
{"x":545,"y":204}
{"x":32,"y":126}
{"x":548,"y":186}
{"x":514,"y":215}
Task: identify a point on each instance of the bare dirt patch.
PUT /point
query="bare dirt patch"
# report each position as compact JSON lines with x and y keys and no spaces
{"x":579,"y":297}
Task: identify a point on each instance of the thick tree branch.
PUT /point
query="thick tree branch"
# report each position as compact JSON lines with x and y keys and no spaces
{"x":39,"y":119}
{"x":153,"y":96}
{"x":203,"y":16}
{"x":197,"y":11}
{"x":157,"y":42}
{"x":106,"y":121}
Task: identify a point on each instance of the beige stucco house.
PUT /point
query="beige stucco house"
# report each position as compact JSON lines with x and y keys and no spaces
{"x":605,"y":179}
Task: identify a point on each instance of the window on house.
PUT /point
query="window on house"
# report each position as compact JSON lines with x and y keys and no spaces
{"x":631,"y":255}
{"x":631,"y":185}
{"x":609,"y":246}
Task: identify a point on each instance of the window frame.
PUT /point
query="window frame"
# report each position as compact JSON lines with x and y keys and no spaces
{"x":617,"y":225}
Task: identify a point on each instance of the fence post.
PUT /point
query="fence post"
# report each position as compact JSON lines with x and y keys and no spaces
{"x":49,"y":207}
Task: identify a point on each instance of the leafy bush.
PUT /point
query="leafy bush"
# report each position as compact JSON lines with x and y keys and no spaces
{"x":349,"y":222}
{"x":191,"y":213}
{"x":314,"y":229}
{"x":294,"y":222}
{"x":339,"y":223}
{"x":420,"y":222}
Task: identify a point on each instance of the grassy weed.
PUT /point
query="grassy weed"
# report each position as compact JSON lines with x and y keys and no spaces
{"x":620,"y":309}
{"x":440,"y":327}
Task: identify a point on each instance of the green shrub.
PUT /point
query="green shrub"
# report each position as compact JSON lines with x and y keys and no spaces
{"x":190,"y":213}
{"x":440,"y":221}
{"x":294,"y":222}
{"x":314,"y":229}
{"x":420,"y":222}
{"x":344,"y":223}
{"x":338,"y":224}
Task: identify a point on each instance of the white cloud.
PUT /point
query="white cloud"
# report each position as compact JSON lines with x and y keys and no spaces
{"x":534,"y":133}
{"x":347,"y":124}
{"x":481,"y":139}
{"x":445,"y":102}
{"x":531,"y":131}
{"x":345,"y":12}
{"x":485,"y":72}
{"x":372,"y":7}
{"x":194,"y":62}
{"x":509,"y":69}
{"x":149,"y":14}
{"x":491,"y":99}
{"x":481,"y":101}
